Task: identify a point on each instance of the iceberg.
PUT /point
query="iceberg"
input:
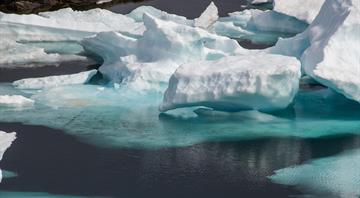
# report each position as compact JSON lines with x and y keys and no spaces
{"x":149,"y":61}
{"x":55,"y":81}
{"x":305,"y":10}
{"x":337,"y":176}
{"x":15,"y":100}
{"x":329,"y":48}
{"x":250,"y":82}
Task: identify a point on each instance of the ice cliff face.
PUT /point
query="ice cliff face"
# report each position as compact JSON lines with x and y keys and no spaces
{"x":329,"y":48}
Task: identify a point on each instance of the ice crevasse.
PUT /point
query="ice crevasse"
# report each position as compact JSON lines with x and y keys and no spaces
{"x":329,"y":50}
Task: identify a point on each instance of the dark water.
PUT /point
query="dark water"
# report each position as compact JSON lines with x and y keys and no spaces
{"x":187,"y":8}
{"x":48,"y":160}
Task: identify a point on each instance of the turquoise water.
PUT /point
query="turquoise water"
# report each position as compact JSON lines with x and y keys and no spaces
{"x":109,"y":117}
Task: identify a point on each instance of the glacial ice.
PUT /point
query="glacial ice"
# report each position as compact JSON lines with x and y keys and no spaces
{"x":55,"y":81}
{"x":329,"y":48}
{"x":258,"y":26}
{"x":6,"y":140}
{"x":305,"y":10}
{"x":15,"y":100}
{"x":208,"y":17}
{"x":149,"y":61}
{"x":13,"y":53}
{"x":252,"y":81}
{"x":337,"y":176}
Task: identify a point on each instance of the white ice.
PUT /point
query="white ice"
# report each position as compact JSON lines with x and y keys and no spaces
{"x":149,"y":61}
{"x":15,"y":101}
{"x":6,"y":140}
{"x":253,"y":81}
{"x":258,"y":26}
{"x":305,"y":10}
{"x":329,"y":49}
{"x":337,"y":176}
{"x":55,"y":81}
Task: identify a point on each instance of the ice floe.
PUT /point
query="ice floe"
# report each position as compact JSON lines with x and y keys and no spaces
{"x":15,"y":100}
{"x":337,"y":176}
{"x":55,"y":81}
{"x":258,"y":26}
{"x":329,"y":48}
{"x":151,"y":59}
{"x":253,"y":81}
{"x":6,"y":140}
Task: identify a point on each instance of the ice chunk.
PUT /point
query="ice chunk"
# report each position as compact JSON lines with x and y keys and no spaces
{"x":305,"y":10}
{"x":13,"y":53}
{"x":329,"y":48}
{"x":208,"y":17}
{"x":139,"y":12}
{"x":253,"y":81}
{"x":337,"y":176}
{"x":55,"y":81}
{"x":150,"y":60}
{"x":6,"y":140}
{"x":258,"y":26}
{"x":15,"y":100}
{"x":64,"y":24}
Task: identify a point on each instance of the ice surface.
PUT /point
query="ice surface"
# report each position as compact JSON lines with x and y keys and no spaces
{"x":208,"y":17}
{"x":149,"y":61}
{"x":305,"y":10}
{"x":15,"y":100}
{"x":5,"y":141}
{"x":258,"y":26}
{"x":253,"y":81}
{"x":13,"y":53}
{"x":329,"y":48}
{"x":55,"y":81}
{"x":337,"y":176}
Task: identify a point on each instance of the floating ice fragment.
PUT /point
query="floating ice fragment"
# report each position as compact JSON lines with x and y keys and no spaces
{"x":6,"y":140}
{"x":253,"y":81}
{"x":15,"y":100}
{"x":55,"y":81}
{"x":337,"y":176}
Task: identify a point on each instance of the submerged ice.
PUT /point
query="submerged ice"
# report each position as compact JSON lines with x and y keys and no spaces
{"x":337,"y":176}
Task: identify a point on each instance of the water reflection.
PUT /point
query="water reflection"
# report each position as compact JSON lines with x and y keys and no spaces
{"x":50,"y":161}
